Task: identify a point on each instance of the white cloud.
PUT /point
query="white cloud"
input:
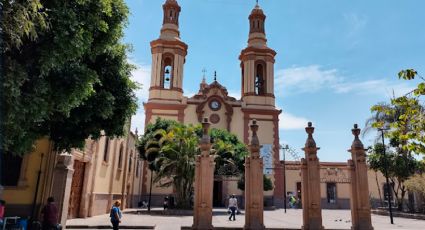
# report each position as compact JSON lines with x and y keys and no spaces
{"x":305,"y":79}
{"x":356,"y":23}
{"x":288,"y":121}
{"x":313,"y":78}
{"x":141,"y":75}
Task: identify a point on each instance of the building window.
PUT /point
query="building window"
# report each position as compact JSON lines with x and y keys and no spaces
{"x":331,"y":193}
{"x":260,"y":82}
{"x":167,"y":74}
{"x":130,"y":161}
{"x":120,"y":157}
{"x":299,"y":190}
{"x":137,"y":168}
{"x":105,"y":153}
{"x":10,"y":169}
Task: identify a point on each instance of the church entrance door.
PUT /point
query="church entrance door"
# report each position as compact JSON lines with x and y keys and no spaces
{"x":218,"y":193}
{"x":76,"y":189}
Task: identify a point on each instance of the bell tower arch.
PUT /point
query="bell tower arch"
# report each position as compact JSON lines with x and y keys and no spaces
{"x":168,"y":58}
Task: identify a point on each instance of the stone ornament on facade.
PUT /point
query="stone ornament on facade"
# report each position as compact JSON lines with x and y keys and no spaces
{"x":359,"y":188}
{"x":310,"y":180}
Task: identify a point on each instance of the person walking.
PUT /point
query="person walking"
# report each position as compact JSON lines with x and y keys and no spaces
{"x":233,"y":206}
{"x":50,"y":215}
{"x":165,"y":203}
{"x":116,"y":215}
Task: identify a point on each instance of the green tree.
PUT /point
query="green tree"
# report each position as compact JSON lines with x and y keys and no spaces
{"x":229,"y":152}
{"x":416,"y":184}
{"x":267,"y":183}
{"x":176,"y":162}
{"x":400,"y":168}
{"x":407,"y":113}
{"x":159,"y":144}
{"x":21,"y":20}
{"x":66,"y":74}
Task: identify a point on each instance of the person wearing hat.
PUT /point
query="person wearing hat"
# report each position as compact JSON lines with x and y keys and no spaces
{"x":116,"y":215}
{"x":233,"y":206}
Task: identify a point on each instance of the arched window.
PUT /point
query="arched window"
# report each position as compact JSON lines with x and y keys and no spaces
{"x":137,"y":168}
{"x":106,"y":150}
{"x":260,"y":83}
{"x":167,"y":73}
{"x":120,"y":157}
{"x":130,"y":161}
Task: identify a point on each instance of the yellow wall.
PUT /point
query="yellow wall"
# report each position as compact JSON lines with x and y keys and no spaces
{"x":25,"y":194}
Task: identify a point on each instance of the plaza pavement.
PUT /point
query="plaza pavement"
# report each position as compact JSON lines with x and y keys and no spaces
{"x":276,"y":219}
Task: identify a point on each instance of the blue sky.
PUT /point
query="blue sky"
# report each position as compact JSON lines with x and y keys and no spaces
{"x":335,"y":58}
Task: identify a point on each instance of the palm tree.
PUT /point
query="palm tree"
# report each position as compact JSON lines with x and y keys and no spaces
{"x":176,"y":162}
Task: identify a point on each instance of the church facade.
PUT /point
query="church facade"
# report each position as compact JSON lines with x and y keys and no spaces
{"x":257,"y":99}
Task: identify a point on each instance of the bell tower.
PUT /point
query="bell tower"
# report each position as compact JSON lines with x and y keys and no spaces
{"x":168,"y":58}
{"x":257,"y":64}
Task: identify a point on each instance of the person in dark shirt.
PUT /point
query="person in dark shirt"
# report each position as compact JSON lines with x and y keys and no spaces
{"x":50,"y":215}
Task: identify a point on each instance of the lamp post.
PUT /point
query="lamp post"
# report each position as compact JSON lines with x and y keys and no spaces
{"x":284,"y":176}
{"x":386,"y":175}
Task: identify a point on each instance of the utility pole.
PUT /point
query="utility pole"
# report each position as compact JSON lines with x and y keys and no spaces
{"x":386,"y":176}
{"x":284,"y":176}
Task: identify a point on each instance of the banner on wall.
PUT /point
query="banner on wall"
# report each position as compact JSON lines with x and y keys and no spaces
{"x":266,"y":152}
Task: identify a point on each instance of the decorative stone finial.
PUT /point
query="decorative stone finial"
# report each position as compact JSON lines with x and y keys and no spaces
{"x":310,"y":143}
{"x":205,"y":140}
{"x":357,"y":143}
{"x":255,"y":143}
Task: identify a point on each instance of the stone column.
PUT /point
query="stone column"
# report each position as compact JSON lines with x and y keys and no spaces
{"x":310,"y":180}
{"x":204,"y":182}
{"x":254,"y":195}
{"x":359,"y":188}
{"x":61,"y":189}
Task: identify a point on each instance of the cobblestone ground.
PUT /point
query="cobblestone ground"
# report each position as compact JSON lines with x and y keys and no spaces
{"x":332,"y":219}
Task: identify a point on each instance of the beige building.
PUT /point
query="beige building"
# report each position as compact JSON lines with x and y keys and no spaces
{"x":257,"y":99}
{"x":335,"y":184}
{"x":84,"y":182}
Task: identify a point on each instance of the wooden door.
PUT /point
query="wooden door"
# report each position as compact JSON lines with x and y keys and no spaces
{"x":76,"y":189}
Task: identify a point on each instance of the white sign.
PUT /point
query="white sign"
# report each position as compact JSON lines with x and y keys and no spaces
{"x":266,"y":152}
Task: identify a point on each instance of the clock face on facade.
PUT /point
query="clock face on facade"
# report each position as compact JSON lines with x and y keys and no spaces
{"x":215,"y":105}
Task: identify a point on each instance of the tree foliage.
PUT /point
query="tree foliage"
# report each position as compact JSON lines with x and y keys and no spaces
{"x":407,"y":113}
{"x":417,"y":184}
{"x":170,"y":148}
{"x":400,"y":168}
{"x":176,"y":162}
{"x":65,"y":73}
{"x":267,"y":183}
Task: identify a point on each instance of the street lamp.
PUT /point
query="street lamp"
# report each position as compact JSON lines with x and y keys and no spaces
{"x":386,"y":175}
{"x":284,"y":175}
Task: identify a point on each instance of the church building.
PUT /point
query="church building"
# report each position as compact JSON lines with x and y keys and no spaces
{"x":257,"y":98}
